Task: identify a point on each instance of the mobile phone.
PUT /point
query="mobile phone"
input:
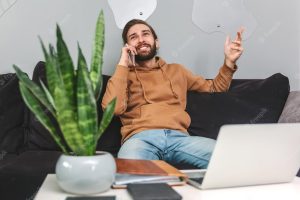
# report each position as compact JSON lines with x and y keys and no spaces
{"x":157,"y":191}
{"x":132,"y":58}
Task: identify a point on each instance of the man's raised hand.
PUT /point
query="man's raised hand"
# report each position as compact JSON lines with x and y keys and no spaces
{"x":233,"y":49}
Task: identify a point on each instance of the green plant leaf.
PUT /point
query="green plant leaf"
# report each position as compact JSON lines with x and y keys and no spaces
{"x":50,"y":69}
{"x":97,"y":56}
{"x":86,"y":105}
{"x":68,"y":122}
{"x":34,"y":88}
{"x":66,"y":70}
{"x":53,"y":73}
{"x":34,"y":105}
{"x":106,"y":118}
{"x":66,"y":67}
{"x":71,"y":95}
{"x":48,"y":95}
{"x":66,"y":115}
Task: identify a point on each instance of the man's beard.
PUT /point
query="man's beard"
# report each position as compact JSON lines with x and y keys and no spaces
{"x":148,"y":56}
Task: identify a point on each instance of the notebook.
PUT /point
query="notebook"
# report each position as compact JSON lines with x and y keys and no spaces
{"x":251,"y":154}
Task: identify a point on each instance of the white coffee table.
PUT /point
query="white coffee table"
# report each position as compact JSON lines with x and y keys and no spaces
{"x":287,"y":191}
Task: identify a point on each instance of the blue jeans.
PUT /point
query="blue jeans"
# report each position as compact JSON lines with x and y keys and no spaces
{"x":171,"y":146}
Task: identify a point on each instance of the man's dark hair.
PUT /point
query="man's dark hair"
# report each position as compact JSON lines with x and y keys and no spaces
{"x":132,"y":23}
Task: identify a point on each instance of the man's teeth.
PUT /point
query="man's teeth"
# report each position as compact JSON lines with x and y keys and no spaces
{"x":143,"y":48}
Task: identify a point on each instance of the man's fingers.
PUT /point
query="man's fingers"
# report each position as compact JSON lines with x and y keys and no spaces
{"x":239,"y":34}
{"x":227,"y":41}
{"x":237,"y":48}
{"x":130,"y":49}
{"x":238,"y":43}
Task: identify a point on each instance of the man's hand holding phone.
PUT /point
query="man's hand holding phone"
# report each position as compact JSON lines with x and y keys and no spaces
{"x":128,"y":56}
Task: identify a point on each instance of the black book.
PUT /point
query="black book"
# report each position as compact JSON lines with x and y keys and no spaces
{"x":92,"y":198}
{"x":153,"y":191}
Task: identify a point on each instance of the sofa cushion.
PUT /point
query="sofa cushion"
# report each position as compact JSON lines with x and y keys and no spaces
{"x":291,"y":110}
{"x":11,"y":115}
{"x":246,"y":102}
{"x":110,"y":141}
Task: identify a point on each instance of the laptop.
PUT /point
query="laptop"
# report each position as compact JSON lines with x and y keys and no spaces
{"x":251,"y":154}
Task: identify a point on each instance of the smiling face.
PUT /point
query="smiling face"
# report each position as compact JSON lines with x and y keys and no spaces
{"x":141,"y":37}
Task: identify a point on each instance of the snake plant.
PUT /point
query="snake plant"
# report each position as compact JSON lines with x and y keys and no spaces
{"x":71,"y":95}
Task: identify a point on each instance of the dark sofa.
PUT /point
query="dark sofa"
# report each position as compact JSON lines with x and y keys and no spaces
{"x":28,"y":153}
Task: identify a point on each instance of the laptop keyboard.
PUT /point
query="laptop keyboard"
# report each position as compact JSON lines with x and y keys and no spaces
{"x":197,"y":180}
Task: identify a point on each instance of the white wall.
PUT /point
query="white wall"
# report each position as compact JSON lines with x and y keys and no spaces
{"x":273,"y":47}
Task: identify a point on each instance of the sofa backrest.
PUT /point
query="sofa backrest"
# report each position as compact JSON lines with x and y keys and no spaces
{"x":247,"y":101}
{"x":291,"y":110}
{"x":12,"y":113}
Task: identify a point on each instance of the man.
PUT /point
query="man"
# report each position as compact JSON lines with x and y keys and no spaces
{"x":151,"y":99}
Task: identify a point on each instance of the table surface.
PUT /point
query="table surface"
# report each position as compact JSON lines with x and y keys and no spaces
{"x":288,"y":191}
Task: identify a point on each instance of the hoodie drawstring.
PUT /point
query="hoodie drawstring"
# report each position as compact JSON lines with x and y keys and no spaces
{"x":171,"y":85}
{"x":143,"y":88}
{"x":144,"y":92}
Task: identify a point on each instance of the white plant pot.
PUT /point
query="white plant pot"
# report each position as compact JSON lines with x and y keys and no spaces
{"x":86,"y":174}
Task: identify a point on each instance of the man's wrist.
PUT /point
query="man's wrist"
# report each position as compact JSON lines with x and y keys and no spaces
{"x":122,"y":63}
{"x":230,"y":64}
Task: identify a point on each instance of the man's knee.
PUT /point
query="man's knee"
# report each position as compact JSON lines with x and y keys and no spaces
{"x":137,"y":149}
{"x":194,"y":150}
{"x":200,"y":145}
{"x":130,"y":148}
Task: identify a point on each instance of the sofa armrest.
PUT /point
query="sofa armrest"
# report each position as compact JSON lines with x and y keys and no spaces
{"x":291,"y":110}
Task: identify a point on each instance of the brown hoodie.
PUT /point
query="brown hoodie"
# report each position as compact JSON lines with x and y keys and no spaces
{"x":155,"y":98}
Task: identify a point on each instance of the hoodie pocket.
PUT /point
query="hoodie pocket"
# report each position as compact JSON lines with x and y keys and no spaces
{"x":166,"y":116}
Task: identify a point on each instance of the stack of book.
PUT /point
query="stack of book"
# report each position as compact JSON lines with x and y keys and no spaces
{"x":147,"y":171}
